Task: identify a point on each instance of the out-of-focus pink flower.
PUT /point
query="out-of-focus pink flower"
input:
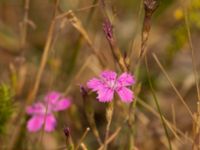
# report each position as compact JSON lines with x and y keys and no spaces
{"x":108,"y":83}
{"x":42,"y":112}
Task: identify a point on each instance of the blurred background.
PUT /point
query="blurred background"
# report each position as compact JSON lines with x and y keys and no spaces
{"x":71,"y":62}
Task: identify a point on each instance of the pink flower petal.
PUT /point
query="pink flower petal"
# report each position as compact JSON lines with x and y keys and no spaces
{"x":125,"y":94}
{"x":125,"y":79}
{"x":52,"y":97}
{"x":108,"y":75}
{"x":95,"y":84}
{"x":62,"y":104}
{"x":50,"y":123}
{"x":35,"y":123}
{"x":37,"y":108}
{"x":105,"y":95}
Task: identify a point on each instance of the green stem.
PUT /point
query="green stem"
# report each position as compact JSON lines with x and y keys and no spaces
{"x":157,"y":105}
{"x":72,"y":62}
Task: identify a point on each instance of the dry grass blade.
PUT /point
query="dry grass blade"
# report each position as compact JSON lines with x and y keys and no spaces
{"x":173,"y":86}
{"x":196,"y":129}
{"x":89,"y":112}
{"x":43,"y":63}
{"x":158,"y":105}
{"x":34,"y":90}
{"x":82,"y":138}
{"x":78,"y":74}
{"x":193,"y":54}
{"x":76,"y":23}
{"x":86,"y":8}
{"x":111,"y":138}
{"x":25,"y":23}
{"x":83,"y":146}
{"x":172,"y":128}
{"x":173,"y":115}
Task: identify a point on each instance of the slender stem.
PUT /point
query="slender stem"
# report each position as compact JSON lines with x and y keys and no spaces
{"x":157,"y":104}
{"x":172,"y":127}
{"x":150,"y":7}
{"x":83,"y":146}
{"x":109,"y":115}
{"x":131,"y":49}
{"x":79,"y":40}
{"x":34,"y":90}
{"x":193,"y":54}
{"x":86,"y":8}
{"x":89,"y":111}
{"x":43,"y":126}
{"x":108,"y":29}
{"x":91,"y":13}
{"x":131,"y":125}
{"x":173,"y":86}
{"x":24,"y":23}
{"x":173,"y":115}
{"x":77,"y":24}
{"x":112,"y":137}
{"x":43,"y":62}
{"x":82,"y":138}
{"x":69,"y":141}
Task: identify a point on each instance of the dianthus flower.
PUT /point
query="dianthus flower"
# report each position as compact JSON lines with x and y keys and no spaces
{"x":108,"y":83}
{"x":42,"y":112}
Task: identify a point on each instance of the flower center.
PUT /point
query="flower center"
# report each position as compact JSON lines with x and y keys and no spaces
{"x":112,"y":84}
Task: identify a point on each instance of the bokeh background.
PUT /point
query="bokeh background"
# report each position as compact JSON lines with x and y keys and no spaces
{"x":71,"y":63}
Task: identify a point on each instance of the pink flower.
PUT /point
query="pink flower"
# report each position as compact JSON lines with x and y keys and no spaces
{"x":108,"y":83}
{"x":42,"y":112}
